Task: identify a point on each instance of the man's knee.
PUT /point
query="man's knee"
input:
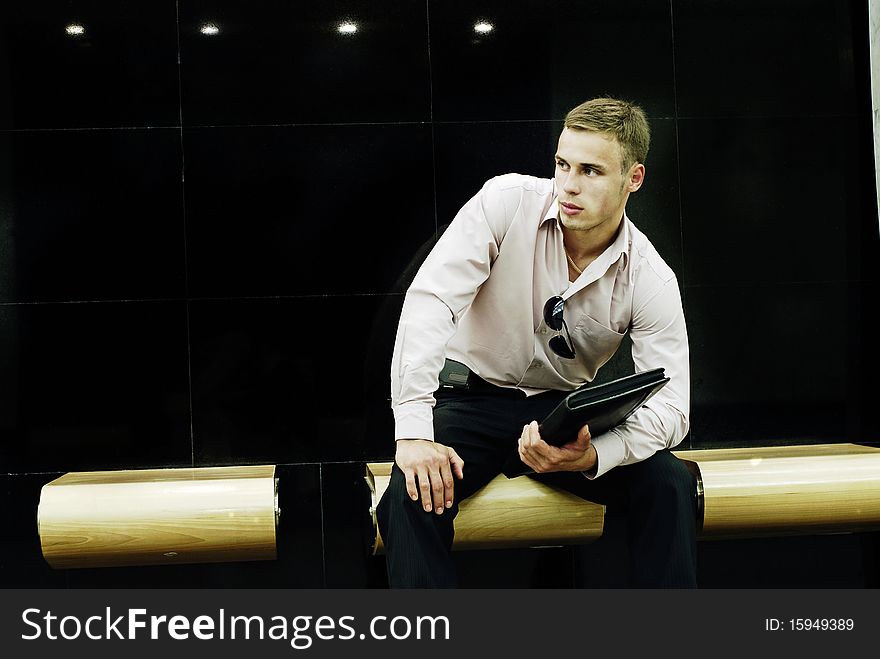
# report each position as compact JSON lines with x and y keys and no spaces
{"x":668,"y":479}
{"x":395,"y":496}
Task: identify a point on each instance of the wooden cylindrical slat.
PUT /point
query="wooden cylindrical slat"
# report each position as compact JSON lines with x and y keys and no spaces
{"x":507,"y":513}
{"x":159,"y":517}
{"x":788,"y":490}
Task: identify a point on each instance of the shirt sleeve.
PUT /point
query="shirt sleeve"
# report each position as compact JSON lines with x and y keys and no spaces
{"x":659,"y":339}
{"x":441,"y":292}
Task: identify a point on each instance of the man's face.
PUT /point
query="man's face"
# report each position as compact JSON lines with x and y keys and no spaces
{"x":592,"y":189}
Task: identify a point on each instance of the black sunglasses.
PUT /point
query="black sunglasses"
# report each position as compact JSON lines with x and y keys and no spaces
{"x":553,"y":317}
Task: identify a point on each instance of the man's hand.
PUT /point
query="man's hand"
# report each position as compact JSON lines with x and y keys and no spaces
{"x":577,"y":455}
{"x":428,"y":467}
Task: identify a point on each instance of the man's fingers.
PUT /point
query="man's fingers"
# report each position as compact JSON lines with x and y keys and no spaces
{"x":530,"y":434}
{"x":425,"y":489}
{"x":448,"y":484}
{"x":526,"y":442}
{"x":531,"y":439}
{"x":529,"y":459}
{"x":411,"y":487}
{"x":429,"y":470}
{"x":542,"y":457}
{"x":437,"y":490}
{"x":538,"y":454}
{"x":456,"y":462}
{"x":534,"y":435}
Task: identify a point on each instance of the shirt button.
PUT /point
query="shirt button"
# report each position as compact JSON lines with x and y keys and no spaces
{"x":539,"y":365}
{"x":544,"y":330}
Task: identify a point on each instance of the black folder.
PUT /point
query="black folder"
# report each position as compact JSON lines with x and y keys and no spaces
{"x":602,"y":407}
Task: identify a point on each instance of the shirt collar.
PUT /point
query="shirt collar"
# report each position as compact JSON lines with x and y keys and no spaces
{"x":552,"y":212}
{"x":619,"y":247}
{"x":621,"y":244}
{"x":618,"y":250}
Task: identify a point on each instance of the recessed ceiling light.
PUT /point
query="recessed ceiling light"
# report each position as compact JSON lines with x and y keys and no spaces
{"x":347,"y":28}
{"x":210,"y":29}
{"x":75,"y":30}
{"x":483,"y":27}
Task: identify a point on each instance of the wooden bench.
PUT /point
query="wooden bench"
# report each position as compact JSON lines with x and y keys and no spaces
{"x":159,"y":516}
{"x":741,"y":492}
{"x":219,"y":514}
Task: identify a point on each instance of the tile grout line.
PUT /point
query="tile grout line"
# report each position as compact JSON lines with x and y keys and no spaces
{"x":431,"y":113}
{"x":742,"y":117}
{"x":323,"y":537}
{"x":192,"y":438}
{"x":678,"y":168}
{"x":239,"y":298}
{"x":312,"y":296}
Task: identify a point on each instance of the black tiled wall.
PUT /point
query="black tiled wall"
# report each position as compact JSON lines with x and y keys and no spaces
{"x":205,"y":238}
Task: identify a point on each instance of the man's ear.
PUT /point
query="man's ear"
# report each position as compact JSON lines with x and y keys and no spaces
{"x":636,"y":177}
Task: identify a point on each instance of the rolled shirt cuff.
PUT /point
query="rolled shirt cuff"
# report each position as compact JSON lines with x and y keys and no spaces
{"x":610,"y":452}
{"x":413,"y":421}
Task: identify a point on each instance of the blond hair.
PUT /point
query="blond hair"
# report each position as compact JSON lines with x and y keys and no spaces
{"x":626,"y":121}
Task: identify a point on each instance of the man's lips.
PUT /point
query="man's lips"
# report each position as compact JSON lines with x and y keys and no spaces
{"x":570,"y":209}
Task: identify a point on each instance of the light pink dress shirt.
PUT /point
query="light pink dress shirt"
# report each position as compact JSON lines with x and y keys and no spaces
{"x":479,"y":298}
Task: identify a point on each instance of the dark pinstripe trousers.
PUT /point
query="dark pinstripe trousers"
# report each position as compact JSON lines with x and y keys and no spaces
{"x":657,"y":496}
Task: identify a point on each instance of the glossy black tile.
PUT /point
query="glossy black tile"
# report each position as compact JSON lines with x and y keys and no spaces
{"x":537,"y":60}
{"x":292,"y":380}
{"x":91,"y":215}
{"x":88,"y":64}
{"x":871,"y":551}
{"x":468,"y":154}
{"x":348,"y":529}
{"x":775,"y":364}
{"x":162,"y":576}
{"x":820,"y":561}
{"x":282,"y":63}
{"x":766,"y":57}
{"x":775,"y":200}
{"x":655,"y":208}
{"x":21,"y":559}
{"x":307,"y":209}
{"x":93,"y":386}
{"x":298,"y":544}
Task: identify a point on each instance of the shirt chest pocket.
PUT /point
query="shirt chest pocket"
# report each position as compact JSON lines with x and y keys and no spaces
{"x":595,"y":342}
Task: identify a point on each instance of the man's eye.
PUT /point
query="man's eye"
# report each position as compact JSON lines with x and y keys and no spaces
{"x":563,"y":166}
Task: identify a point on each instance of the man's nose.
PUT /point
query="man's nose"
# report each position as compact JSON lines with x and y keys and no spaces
{"x":570,"y":184}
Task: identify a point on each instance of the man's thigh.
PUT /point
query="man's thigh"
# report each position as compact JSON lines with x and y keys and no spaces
{"x":484,"y":430}
{"x":618,"y":486}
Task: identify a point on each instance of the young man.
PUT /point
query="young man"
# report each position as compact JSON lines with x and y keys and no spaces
{"x":519,"y":253}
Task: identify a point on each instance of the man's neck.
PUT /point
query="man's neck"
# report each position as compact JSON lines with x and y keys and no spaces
{"x":585,"y":246}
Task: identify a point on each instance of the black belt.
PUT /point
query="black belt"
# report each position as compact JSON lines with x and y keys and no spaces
{"x":458,"y":377}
